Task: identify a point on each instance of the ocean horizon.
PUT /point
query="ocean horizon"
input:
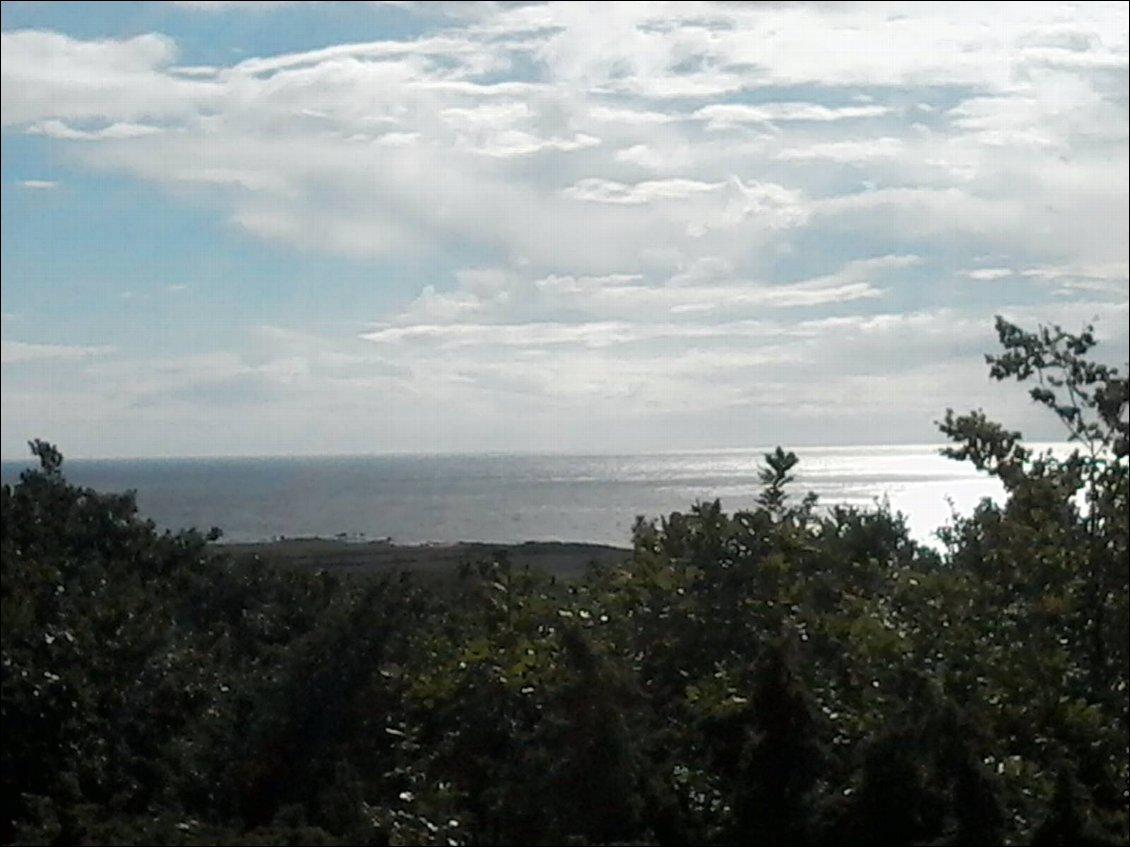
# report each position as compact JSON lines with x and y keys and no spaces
{"x":509,"y":498}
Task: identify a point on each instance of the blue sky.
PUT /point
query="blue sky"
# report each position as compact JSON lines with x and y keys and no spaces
{"x":276,"y":228}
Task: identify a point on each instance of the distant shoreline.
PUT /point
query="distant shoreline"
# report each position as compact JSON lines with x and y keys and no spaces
{"x":557,"y":558}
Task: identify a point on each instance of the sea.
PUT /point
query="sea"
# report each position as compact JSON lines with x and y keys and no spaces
{"x":508,"y":498}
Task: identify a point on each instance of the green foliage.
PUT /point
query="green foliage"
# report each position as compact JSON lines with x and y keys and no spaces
{"x":786,"y":674}
{"x":774,"y":477}
{"x":148,"y":681}
{"x":783,"y":760}
{"x":1052,"y":564}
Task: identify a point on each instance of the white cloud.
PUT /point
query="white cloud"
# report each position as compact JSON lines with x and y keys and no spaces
{"x":592,"y":334}
{"x":39,"y":184}
{"x":1077,"y":59}
{"x":334,"y":56}
{"x":48,"y":76}
{"x":656,"y":159}
{"x":595,"y":190}
{"x":692,"y":86}
{"x":705,"y":301}
{"x":17,"y":352}
{"x":114,"y":132}
{"x":768,"y":205}
{"x":723,"y":115}
{"x":988,"y":274}
{"x":846,"y":151}
{"x":642,"y":117}
{"x":396,"y":139}
{"x":360,"y":148}
{"x":1075,"y":278}
{"x":514,"y":142}
{"x":650,"y":194}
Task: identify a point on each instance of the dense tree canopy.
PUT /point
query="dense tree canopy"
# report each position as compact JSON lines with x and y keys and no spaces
{"x":785,"y":675}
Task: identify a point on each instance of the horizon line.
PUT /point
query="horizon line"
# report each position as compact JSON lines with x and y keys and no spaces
{"x":29,"y":459}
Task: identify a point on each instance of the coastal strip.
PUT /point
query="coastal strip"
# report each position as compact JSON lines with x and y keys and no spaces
{"x":555,"y":558}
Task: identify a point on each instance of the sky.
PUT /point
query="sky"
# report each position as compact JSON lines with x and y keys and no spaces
{"x":322,"y":228}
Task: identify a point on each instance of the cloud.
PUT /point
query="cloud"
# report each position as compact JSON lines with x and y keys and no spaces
{"x":988,"y":274}
{"x":846,"y":151}
{"x":685,"y":305}
{"x":637,"y":117}
{"x":114,"y":132}
{"x":39,"y":184}
{"x":364,"y":148}
{"x":517,"y":143}
{"x":596,"y":190}
{"x":338,"y":54}
{"x":50,"y":76}
{"x":724,"y":115}
{"x":668,"y":208}
{"x":18,"y":352}
{"x":1076,"y":278}
{"x":692,"y":86}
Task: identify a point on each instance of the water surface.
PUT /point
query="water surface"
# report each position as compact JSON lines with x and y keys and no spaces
{"x":512,"y":498}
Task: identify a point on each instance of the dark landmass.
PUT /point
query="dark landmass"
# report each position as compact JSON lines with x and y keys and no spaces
{"x":553,"y":558}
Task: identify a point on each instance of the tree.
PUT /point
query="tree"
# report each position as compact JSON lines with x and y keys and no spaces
{"x":1090,"y":399}
{"x":1052,"y":564}
{"x":774,"y":476}
{"x":783,"y":760}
